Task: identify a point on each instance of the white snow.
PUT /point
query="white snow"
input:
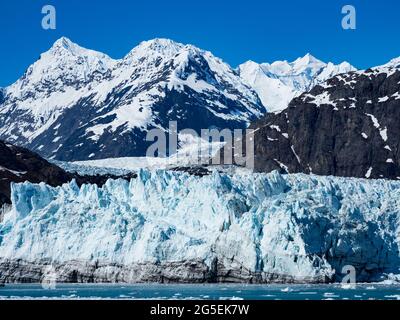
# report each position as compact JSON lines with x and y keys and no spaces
{"x":14,"y":172}
{"x":323,"y":98}
{"x":382,"y":131}
{"x":278,"y":83}
{"x":297,"y":157}
{"x":374,"y":120}
{"x":383,"y":134}
{"x":275,"y":127}
{"x":384,"y":99}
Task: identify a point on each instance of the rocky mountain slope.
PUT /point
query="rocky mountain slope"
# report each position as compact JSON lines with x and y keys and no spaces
{"x":78,"y":104}
{"x":19,"y":165}
{"x":279,"y":82}
{"x":174,"y":227}
{"x":346,"y":126}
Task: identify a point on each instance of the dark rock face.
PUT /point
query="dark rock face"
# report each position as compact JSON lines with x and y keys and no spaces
{"x":349,"y":126}
{"x":195,"y":271}
{"x":19,"y":165}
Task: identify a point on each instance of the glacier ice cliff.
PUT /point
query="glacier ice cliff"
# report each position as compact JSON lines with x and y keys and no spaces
{"x":172,"y":227}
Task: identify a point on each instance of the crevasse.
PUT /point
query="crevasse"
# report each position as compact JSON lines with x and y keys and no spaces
{"x":296,"y":227}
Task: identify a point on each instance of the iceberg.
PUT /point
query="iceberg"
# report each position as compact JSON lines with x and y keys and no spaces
{"x":168,"y":226}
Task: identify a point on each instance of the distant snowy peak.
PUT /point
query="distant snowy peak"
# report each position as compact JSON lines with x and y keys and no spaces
{"x":279,"y":82}
{"x":306,"y":65}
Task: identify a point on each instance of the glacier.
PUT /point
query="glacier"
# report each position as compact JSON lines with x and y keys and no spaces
{"x":168,"y":226}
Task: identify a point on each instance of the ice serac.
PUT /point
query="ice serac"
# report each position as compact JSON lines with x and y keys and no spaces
{"x":78,"y":104}
{"x":279,"y":82}
{"x":173,"y":227}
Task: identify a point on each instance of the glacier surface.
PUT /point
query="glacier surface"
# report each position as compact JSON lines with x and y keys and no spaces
{"x":171,"y":226}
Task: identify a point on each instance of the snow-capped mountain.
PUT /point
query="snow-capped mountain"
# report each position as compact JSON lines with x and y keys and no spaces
{"x":279,"y":82}
{"x":347,"y":126}
{"x":173,"y":227}
{"x":79,"y":104}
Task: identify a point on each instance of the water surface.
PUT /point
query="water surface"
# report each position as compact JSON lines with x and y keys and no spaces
{"x":202,"y":292}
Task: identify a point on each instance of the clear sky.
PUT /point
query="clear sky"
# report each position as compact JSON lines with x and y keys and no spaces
{"x":236,"y":31}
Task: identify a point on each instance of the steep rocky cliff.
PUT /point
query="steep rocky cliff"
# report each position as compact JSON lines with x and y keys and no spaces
{"x":348,"y":126}
{"x":19,"y":165}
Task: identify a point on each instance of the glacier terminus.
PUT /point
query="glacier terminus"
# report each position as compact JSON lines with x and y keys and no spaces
{"x":168,"y":226}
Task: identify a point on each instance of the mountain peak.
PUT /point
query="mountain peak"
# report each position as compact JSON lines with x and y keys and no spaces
{"x":157,"y":46}
{"x":65,"y":47}
{"x":309,"y":57}
{"x":64,"y":44}
{"x":307,"y":61}
{"x":161,"y":43}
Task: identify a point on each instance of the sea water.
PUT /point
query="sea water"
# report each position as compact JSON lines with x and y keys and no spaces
{"x":202,"y":292}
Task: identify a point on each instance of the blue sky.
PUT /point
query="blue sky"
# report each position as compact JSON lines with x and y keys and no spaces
{"x":236,"y":31}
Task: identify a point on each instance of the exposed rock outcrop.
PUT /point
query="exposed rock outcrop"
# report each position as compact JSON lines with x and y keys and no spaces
{"x":349,"y":126}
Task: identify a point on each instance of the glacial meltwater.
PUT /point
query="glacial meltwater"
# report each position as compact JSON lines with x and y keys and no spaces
{"x":203,"y":292}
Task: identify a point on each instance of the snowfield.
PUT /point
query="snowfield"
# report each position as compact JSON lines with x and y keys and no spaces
{"x":170,"y":226}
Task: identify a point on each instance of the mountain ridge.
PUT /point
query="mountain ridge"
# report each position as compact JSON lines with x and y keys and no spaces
{"x":74,"y":98}
{"x":77,"y":104}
